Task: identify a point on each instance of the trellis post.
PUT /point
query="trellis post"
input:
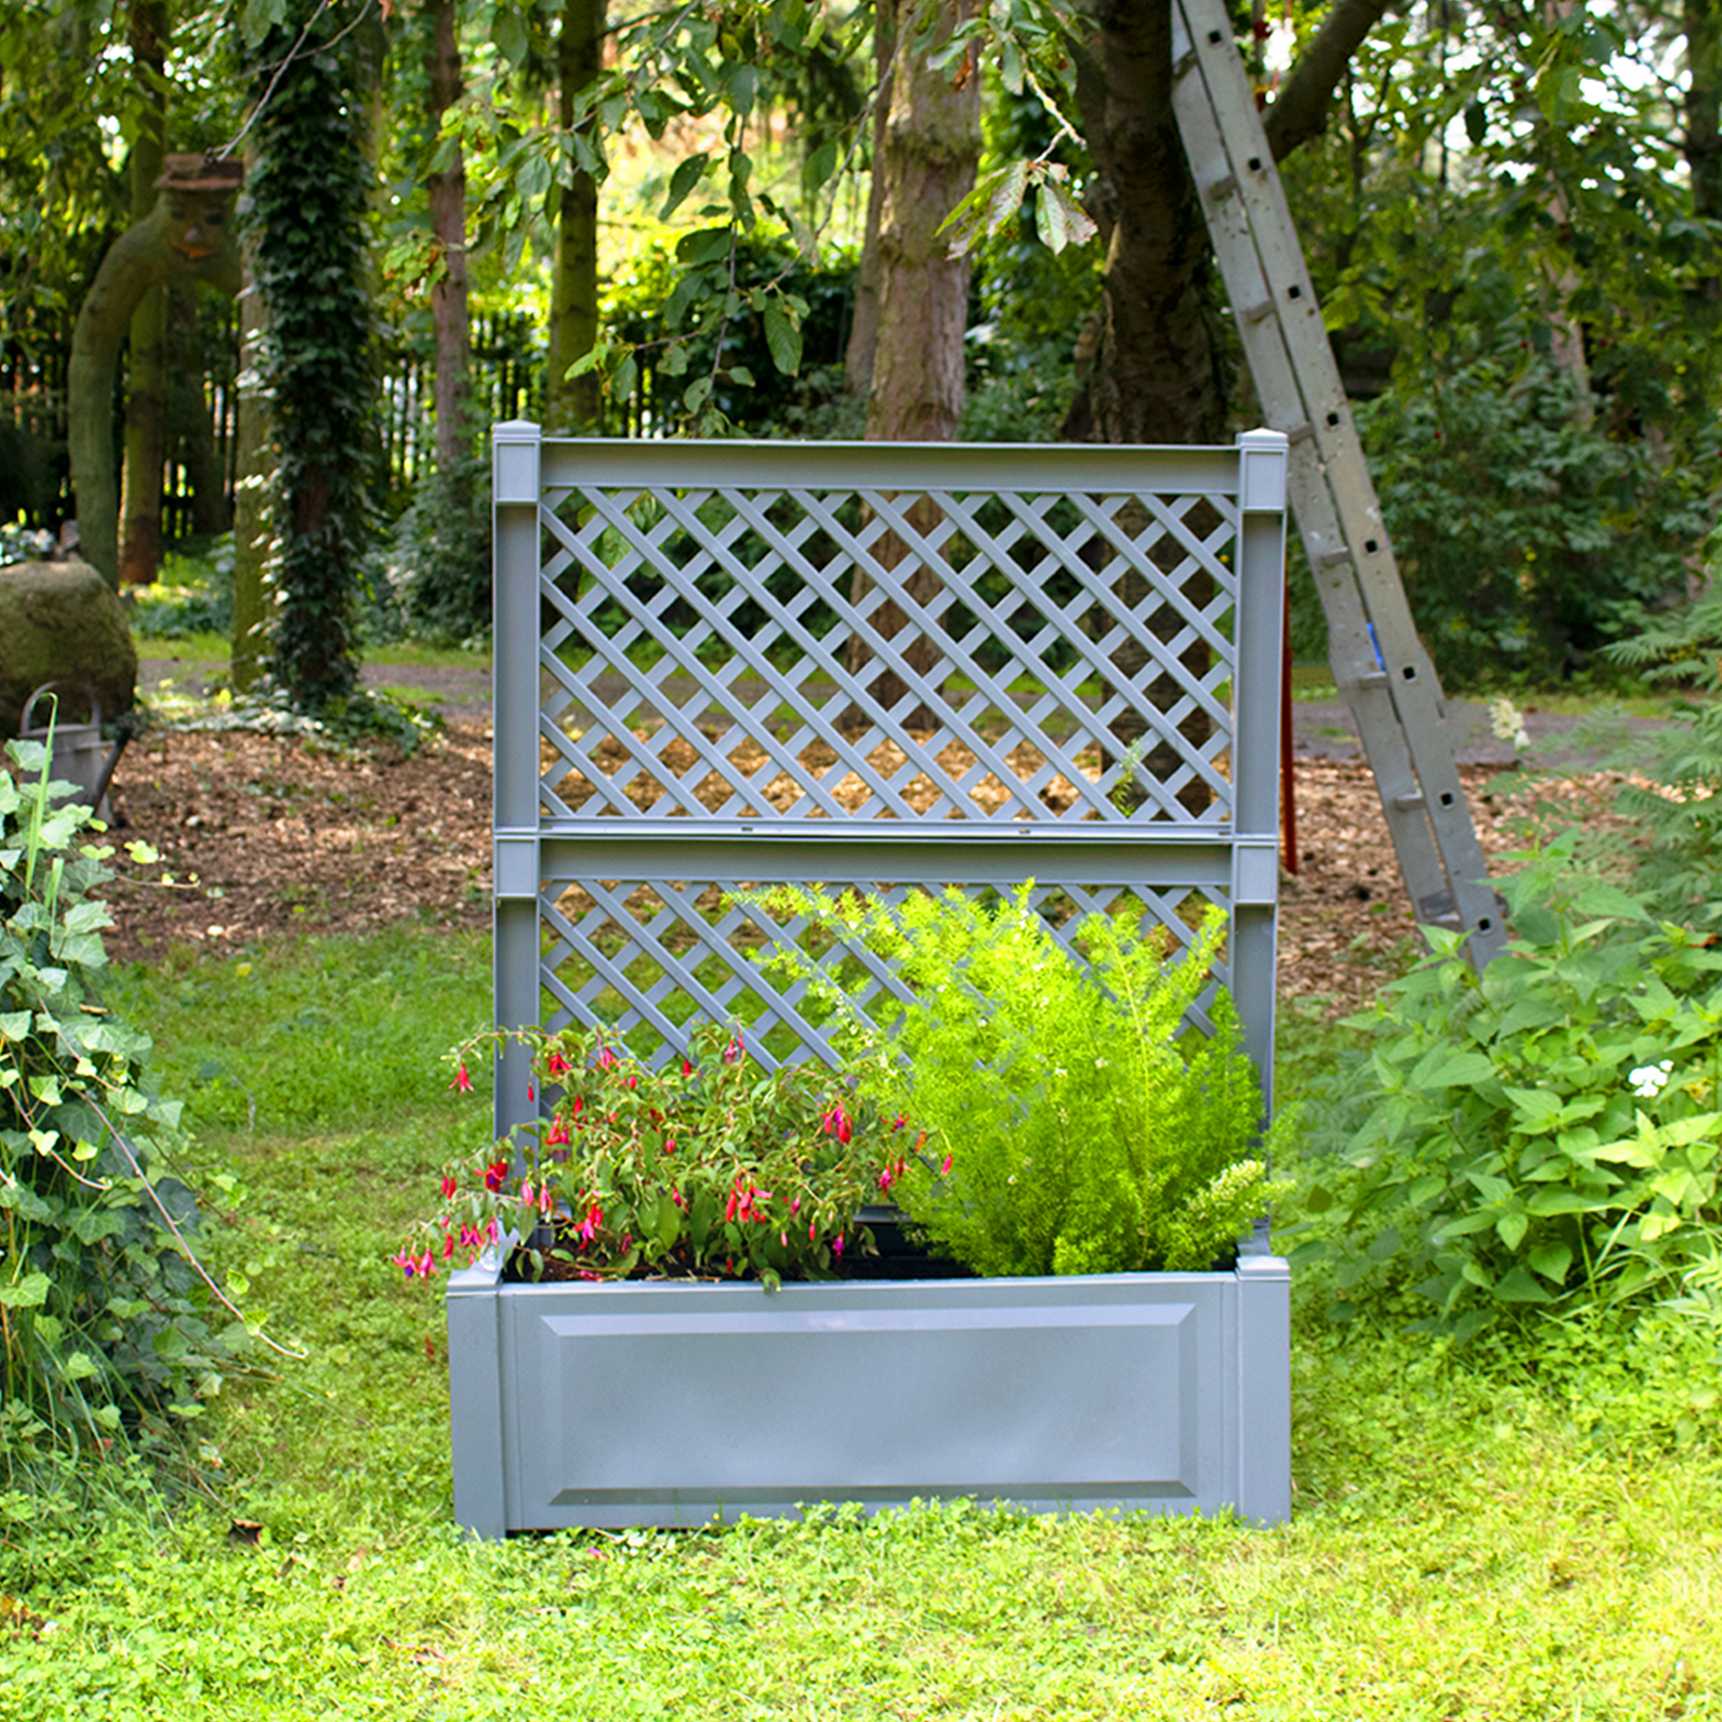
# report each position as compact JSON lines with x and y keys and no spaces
{"x":1256,"y":741}
{"x":514,"y":714}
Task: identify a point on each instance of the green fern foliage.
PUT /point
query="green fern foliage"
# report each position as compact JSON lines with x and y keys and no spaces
{"x":1063,"y":1124}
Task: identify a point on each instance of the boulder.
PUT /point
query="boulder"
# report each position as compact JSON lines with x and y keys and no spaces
{"x":61,"y":622}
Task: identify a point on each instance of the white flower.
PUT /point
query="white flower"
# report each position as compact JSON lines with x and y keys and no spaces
{"x":1508,"y":722}
{"x":1649,"y":1080}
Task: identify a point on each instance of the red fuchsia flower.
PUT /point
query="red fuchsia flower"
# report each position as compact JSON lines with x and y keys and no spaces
{"x":837,"y":1122}
{"x":687,"y":1067}
{"x":812,"y":1233}
{"x":491,"y":1232}
{"x":669,"y":1144}
{"x":447,"y":1245}
{"x":404,"y":1261}
{"x":462,"y":1081}
{"x":558,"y":1133}
{"x":495,"y":1174}
{"x":736,"y":1051}
{"x":557,"y":1065}
{"x":588,"y":1227}
{"x":885,"y":1179}
{"x":676,"y":1197}
{"x":631,"y":1082}
{"x":546,"y":1201}
{"x":731,"y":1205}
{"x":576,"y":1106}
{"x":837,"y":1245}
{"x":899,"y":1122}
{"x":795,"y":1204}
{"x":945,"y":1167}
{"x":531,"y":1092}
{"x":607,"y":1060}
{"x":449,"y":1185}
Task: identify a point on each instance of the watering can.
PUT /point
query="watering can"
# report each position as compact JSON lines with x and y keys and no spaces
{"x":78,"y":753}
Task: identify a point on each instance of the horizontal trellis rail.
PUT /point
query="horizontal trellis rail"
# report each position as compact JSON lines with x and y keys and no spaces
{"x":723,"y":666}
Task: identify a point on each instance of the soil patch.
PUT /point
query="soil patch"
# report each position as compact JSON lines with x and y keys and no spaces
{"x":263,"y":835}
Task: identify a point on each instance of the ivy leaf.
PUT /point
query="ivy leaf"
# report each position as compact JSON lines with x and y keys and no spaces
{"x":31,"y":1292}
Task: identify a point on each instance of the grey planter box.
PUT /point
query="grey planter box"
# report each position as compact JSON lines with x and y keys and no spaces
{"x":672,"y":1404}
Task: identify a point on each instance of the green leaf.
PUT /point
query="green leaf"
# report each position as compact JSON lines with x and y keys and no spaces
{"x":687,"y":175}
{"x":1443,"y":1067}
{"x":783,"y":338}
{"x":31,"y":1292}
{"x":1551,"y":1261}
{"x":1517,"y":1286}
{"x":1545,"y":1202}
{"x":1511,"y":1229}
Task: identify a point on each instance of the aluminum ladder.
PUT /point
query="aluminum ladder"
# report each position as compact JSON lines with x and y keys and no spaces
{"x":1378,"y":661}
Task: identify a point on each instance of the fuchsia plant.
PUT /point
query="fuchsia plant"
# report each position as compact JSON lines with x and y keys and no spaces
{"x":711,"y":1165}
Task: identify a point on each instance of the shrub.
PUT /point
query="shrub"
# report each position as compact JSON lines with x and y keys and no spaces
{"x":1542,"y":1137}
{"x":440,"y":558}
{"x":111,"y":1334}
{"x":1064,"y":1124}
{"x":709,"y":1166}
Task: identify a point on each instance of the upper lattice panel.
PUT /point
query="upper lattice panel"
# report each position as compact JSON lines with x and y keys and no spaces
{"x":912,"y":642}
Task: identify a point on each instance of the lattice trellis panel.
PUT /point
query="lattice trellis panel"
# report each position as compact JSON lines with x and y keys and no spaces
{"x":881,"y":665}
{"x":646,"y":959}
{"x":798,"y":653}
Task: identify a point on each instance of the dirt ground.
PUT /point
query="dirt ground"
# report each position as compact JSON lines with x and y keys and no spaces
{"x":262,"y":836}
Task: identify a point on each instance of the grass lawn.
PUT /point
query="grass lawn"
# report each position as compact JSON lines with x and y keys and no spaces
{"x":403,"y":654}
{"x":1458,"y":1547}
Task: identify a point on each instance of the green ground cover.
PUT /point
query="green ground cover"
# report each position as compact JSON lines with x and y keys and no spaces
{"x":1461,"y":1545}
{"x":211,"y":649}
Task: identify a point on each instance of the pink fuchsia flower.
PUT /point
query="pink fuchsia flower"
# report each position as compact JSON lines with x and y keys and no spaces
{"x":557,"y":1136}
{"x":426,"y":1265}
{"x":447,"y":1245}
{"x":462,"y":1081}
{"x":945,"y":1167}
{"x":783,"y":1239}
{"x":837,"y":1245}
{"x":449,"y":1185}
{"x":546,"y":1201}
{"x":885,"y":1179}
{"x":588,"y":1227}
{"x":495,"y":1175}
{"x":899,"y":1122}
{"x":404,"y":1261}
{"x":736,"y":1051}
{"x":795,"y":1204}
{"x":607,"y":1060}
{"x":669,"y":1144}
{"x":557,"y":1065}
{"x":837,"y":1122}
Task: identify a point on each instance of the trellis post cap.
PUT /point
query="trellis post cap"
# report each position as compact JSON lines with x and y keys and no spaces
{"x":1262,"y":456}
{"x":515,"y":446}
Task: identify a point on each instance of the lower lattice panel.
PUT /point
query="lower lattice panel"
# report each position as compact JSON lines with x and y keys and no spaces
{"x":651,"y":961}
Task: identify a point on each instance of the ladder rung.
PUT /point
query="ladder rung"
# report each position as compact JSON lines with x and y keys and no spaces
{"x":1258,"y":312}
{"x":1332,"y":558}
{"x":1410,"y":800}
{"x":1300,"y":433}
{"x":1183,"y":63}
{"x":1223,"y":187}
{"x":1371,"y":679}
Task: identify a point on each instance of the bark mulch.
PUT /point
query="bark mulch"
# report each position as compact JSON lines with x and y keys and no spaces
{"x":265,"y":835}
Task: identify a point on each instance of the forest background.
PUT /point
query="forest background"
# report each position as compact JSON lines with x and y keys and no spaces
{"x":736,"y":219}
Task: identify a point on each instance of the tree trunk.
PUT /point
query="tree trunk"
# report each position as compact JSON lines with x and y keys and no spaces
{"x":448,"y":221}
{"x":571,"y":403}
{"x":924,"y":168}
{"x":191,"y":434}
{"x":1154,"y":373}
{"x":1703,"y":21}
{"x":146,"y":369}
{"x":864,"y":327}
{"x":159,"y":248}
{"x":251,"y":492}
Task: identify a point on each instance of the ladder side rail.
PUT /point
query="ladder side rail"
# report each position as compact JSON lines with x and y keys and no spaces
{"x":1251,"y":180}
{"x":1351,"y":651}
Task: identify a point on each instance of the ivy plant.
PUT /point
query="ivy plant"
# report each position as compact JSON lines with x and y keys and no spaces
{"x":113,"y":1336}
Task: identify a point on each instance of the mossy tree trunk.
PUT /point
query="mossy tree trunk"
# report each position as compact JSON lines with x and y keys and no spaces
{"x":864,"y":326}
{"x":447,"y":193}
{"x":251,"y":489}
{"x":148,"y":254}
{"x":571,"y":403}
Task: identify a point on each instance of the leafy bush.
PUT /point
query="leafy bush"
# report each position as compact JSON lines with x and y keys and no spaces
{"x":111,"y":1334}
{"x":1063,"y":1124}
{"x":439,"y":562}
{"x":1544,"y":1136}
{"x":193,"y":596}
{"x":1524,"y":534}
{"x":709,"y":1166}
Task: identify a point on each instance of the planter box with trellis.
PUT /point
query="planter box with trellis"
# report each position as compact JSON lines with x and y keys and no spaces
{"x":731,"y":664}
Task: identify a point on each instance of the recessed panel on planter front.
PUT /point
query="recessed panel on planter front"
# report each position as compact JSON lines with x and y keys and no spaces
{"x":670,"y":1403}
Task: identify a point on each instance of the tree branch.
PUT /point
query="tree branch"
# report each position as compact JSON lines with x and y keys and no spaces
{"x":1305,"y":101}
